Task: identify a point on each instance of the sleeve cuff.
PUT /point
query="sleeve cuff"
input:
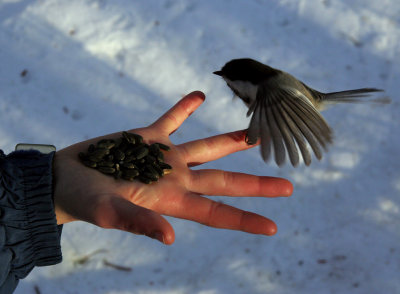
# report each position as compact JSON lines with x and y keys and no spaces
{"x":37,"y":186}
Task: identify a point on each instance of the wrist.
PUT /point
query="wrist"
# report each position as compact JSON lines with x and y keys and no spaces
{"x":61,"y":200}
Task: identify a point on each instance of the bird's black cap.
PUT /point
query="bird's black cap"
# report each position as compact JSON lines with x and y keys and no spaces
{"x":246,"y":69}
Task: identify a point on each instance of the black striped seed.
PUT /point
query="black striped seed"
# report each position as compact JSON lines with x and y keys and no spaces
{"x":141,"y":152}
{"x":163,"y":146}
{"x":106,"y":170}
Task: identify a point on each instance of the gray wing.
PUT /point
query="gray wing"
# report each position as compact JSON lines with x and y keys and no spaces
{"x":286,"y":120}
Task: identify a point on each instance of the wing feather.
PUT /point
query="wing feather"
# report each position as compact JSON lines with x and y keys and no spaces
{"x":253,"y":131}
{"x":290,"y":119}
{"x":276,"y":136}
{"x":265,"y":135}
{"x":305,"y":126}
{"x":285,"y":129}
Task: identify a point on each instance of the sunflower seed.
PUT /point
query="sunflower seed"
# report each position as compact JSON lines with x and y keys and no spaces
{"x":150,"y":159}
{"x":128,"y":165}
{"x":160,"y":157}
{"x":100,"y":152}
{"x":119,"y":155}
{"x":159,"y":170}
{"x":144,"y":179}
{"x":154,"y":149}
{"x":128,"y":137}
{"x":150,"y":176}
{"x":164,"y":165}
{"x":106,"y":170}
{"x":105,"y":163}
{"x":167,"y":171}
{"x":130,"y":173}
{"x":163,"y":146}
{"x":109,"y":157}
{"x":130,"y":158}
{"x":138,"y":138}
{"x":89,"y":163}
{"x":106,"y":144}
{"x":129,"y":151}
{"x":95,"y":158}
{"x":141,"y":152}
{"x":152,"y":171}
{"x":123,"y":145}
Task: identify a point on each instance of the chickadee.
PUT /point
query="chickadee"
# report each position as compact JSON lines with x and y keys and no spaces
{"x":286,"y":112}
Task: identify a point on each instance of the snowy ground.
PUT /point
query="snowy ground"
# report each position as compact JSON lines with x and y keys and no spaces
{"x":94,"y":67}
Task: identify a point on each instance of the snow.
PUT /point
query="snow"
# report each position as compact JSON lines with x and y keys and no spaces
{"x":95,"y":67}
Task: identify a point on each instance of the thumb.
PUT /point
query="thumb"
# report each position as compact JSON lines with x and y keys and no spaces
{"x":117,"y":213}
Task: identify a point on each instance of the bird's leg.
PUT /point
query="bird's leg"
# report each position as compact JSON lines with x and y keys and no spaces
{"x":247,"y":139}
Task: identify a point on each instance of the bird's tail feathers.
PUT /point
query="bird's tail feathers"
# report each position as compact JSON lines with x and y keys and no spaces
{"x":355,"y":96}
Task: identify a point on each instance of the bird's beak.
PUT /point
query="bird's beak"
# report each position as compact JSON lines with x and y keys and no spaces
{"x":218,"y":73}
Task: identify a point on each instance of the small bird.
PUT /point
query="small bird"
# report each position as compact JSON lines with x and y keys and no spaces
{"x":286,"y":112}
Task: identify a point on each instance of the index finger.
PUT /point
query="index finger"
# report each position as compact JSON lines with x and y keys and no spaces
{"x":173,"y":118}
{"x":209,"y":149}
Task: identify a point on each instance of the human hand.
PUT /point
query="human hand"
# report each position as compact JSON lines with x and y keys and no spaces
{"x":82,"y":193}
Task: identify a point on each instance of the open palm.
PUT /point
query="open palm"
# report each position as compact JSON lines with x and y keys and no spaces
{"x":81,"y":193}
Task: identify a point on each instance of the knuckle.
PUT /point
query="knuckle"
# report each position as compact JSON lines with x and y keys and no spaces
{"x":194,"y":179}
{"x":244,"y":216}
{"x":227,"y":179}
{"x":171,"y":119}
{"x":211,"y":220}
{"x":185,"y":152}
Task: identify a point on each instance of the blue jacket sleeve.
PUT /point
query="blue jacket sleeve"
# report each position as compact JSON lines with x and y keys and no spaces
{"x":29,"y":235}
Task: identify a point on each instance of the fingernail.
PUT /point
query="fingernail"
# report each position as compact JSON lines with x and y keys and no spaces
{"x":158,"y":236}
{"x":199,"y":94}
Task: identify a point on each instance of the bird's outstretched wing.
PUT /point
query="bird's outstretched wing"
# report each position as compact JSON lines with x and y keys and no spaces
{"x":285,"y":119}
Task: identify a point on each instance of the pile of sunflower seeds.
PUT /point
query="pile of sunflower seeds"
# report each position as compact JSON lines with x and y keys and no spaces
{"x":128,"y":158}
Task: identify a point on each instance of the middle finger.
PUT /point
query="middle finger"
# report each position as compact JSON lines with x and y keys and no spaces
{"x":224,"y":183}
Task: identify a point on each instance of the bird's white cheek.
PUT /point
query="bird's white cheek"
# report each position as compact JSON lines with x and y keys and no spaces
{"x":245,"y":90}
